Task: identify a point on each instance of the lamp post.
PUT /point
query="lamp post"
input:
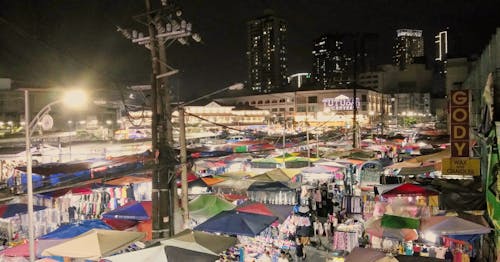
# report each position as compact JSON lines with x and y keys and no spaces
{"x":183,"y":149}
{"x":75,"y":98}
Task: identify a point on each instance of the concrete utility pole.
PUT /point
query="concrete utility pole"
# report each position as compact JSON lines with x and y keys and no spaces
{"x":163,"y":169}
{"x":165,"y":27}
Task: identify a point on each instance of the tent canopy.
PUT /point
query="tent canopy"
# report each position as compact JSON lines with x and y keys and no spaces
{"x":132,"y":211}
{"x":94,"y":244}
{"x":404,"y":189}
{"x":273,"y":175}
{"x":206,"y":206}
{"x":75,"y":229}
{"x":201,"y":241}
{"x":280,"y":211}
{"x":452,"y":225}
{"x":152,"y":254}
{"x":391,"y":221}
{"x":269,"y":186}
{"x":236,"y":223}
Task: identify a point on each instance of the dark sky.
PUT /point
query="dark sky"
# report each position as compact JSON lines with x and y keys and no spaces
{"x":75,"y":41}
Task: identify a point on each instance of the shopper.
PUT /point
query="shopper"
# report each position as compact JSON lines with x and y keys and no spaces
{"x":283,"y":257}
{"x":299,"y":249}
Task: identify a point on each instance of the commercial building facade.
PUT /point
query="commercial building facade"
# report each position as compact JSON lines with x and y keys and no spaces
{"x":331,"y":107}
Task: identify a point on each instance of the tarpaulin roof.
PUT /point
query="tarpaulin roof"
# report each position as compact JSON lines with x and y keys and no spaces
{"x":236,"y":223}
{"x":152,"y":254}
{"x":206,"y":206}
{"x":280,"y":211}
{"x":255,"y":208}
{"x":94,"y":244}
{"x":273,"y":175}
{"x":239,"y":185}
{"x":209,"y":181}
{"x":452,"y":225}
{"x":177,"y":254}
{"x":132,"y":211}
{"x":127,"y":180}
{"x":75,"y":229}
{"x":432,"y":157}
{"x":236,"y":174}
{"x":200,"y":242}
{"x":404,"y":189}
{"x":416,"y":170}
{"x":269,"y":186}
{"x":391,"y":221}
{"x":10,"y":210}
{"x":364,"y":254}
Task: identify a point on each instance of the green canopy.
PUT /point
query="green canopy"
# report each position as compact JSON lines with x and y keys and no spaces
{"x":206,"y":206}
{"x":390,"y":221}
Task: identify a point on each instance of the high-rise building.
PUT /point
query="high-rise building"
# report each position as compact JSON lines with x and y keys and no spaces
{"x":266,"y":52}
{"x":441,"y":52}
{"x":408,"y":45}
{"x":330,"y":63}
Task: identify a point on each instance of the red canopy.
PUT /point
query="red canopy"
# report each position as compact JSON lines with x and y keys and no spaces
{"x":256,"y":208}
{"x":409,"y":189}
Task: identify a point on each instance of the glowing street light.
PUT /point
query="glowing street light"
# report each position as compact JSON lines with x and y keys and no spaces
{"x":72,"y":99}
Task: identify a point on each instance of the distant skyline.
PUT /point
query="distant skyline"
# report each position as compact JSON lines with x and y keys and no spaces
{"x":66,"y":41}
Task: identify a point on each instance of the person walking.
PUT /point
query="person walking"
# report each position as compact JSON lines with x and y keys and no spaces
{"x":299,"y":251}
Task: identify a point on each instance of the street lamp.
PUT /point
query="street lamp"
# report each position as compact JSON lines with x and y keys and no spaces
{"x":73,"y":99}
{"x":183,"y":149}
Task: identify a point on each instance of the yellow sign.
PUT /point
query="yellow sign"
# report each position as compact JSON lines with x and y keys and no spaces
{"x":464,"y":166}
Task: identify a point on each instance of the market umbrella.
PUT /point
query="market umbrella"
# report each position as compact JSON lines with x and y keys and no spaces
{"x":206,"y":206}
{"x":94,"y":244}
{"x":55,"y":237}
{"x":237,"y":223}
{"x":374,"y":227}
{"x":364,"y":254}
{"x":452,"y":225}
{"x":280,"y":211}
{"x":190,"y":245}
{"x":271,"y":176}
{"x":151,"y":254}
{"x":75,"y":229}
{"x":131,"y":211}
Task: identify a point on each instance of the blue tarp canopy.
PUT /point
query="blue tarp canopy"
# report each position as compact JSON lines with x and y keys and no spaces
{"x":236,"y":223}
{"x":75,"y":229}
{"x":135,"y":211}
{"x":10,"y":210}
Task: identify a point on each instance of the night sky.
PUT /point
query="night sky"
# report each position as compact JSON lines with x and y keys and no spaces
{"x":68,"y":42}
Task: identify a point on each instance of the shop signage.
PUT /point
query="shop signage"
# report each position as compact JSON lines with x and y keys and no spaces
{"x":459,"y":123}
{"x":465,"y":166}
{"x":340,"y":103}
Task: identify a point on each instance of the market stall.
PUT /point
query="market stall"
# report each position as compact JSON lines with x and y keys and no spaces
{"x":273,"y":193}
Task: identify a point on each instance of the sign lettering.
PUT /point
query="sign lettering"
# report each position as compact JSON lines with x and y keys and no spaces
{"x":463,"y":166}
{"x":341,"y":103}
{"x":459,"y":123}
